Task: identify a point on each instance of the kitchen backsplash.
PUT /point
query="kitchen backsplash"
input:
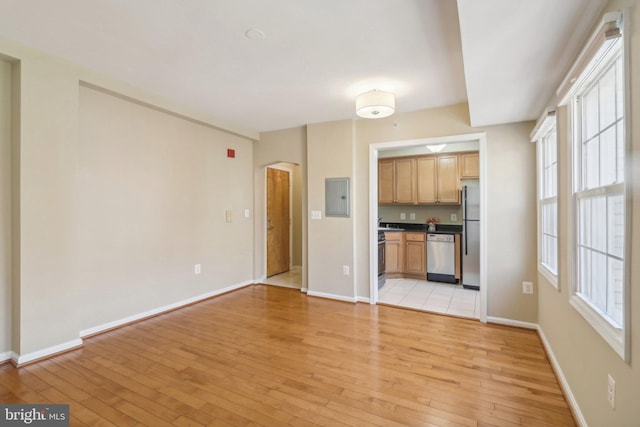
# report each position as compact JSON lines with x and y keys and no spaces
{"x":443,"y":213}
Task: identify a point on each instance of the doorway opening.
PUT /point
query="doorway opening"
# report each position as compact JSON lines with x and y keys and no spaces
{"x":388,"y":214}
{"x":283,"y":225}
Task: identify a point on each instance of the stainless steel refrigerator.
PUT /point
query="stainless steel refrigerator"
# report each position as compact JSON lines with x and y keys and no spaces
{"x":471,"y":234}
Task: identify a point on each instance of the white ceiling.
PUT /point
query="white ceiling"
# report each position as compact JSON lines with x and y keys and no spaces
{"x":504,"y":57}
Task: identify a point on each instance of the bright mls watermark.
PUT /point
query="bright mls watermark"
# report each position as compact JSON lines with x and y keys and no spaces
{"x":34,"y":415}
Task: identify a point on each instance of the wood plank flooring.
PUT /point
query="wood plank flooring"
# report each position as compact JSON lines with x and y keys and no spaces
{"x":271,"y":356}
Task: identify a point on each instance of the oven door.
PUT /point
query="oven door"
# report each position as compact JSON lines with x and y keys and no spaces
{"x":381,"y":262}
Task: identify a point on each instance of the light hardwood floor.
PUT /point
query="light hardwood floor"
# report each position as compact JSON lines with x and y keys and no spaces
{"x":267,"y":355}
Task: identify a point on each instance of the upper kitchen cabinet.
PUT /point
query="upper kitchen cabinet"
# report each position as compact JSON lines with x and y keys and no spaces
{"x":469,"y":165}
{"x":396,"y":181}
{"x":438,"y":180}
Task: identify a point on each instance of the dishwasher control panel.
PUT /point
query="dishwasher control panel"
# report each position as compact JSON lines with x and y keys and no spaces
{"x":440,"y":237}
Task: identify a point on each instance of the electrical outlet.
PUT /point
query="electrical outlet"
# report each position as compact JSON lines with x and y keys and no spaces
{"x":527,"y":288}
{"x":197,"y":269}
{"x":454,"y":217}
{"x":228,"y":215}
{"x":611,"y":391}
{"x":247,"y":213}
{"x":412,"y":216}
{"x":403,"y":215}
{"x":345,"y":270}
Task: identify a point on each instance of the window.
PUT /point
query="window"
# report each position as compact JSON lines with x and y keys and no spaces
{"x":598,"y":193}
{"x":545,"y":135}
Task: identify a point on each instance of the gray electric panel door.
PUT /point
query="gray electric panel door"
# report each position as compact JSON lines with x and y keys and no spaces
{"x":336,"y":194}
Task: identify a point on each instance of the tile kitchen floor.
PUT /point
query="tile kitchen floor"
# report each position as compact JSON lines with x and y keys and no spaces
{"x":436,"y":297}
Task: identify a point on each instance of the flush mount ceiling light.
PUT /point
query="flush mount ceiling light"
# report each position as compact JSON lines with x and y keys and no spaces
{"x":436,"y":148}
{"x":375,"y":104}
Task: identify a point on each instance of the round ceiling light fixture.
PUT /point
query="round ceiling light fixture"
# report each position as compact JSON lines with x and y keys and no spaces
{"x":375,"y":104}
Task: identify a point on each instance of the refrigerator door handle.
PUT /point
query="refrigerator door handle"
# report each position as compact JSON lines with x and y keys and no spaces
{"x":464,"y":215}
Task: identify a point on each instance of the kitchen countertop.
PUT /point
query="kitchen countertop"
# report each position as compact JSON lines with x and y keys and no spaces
{"x":405,"y":226}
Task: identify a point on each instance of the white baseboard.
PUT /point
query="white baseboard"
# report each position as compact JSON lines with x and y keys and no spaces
{"x":129,"y":319}
{"x":331,"y":296}
{"x":511,"y":322}
{"x":564,"y":384}
{"x":5,"y":356}
{"x":363,"y":299}
{"x":21,"y":359}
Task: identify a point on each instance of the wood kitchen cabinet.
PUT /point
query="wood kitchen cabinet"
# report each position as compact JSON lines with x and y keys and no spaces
{"x":394,"y":254}
{"x":405,"y":254}
{"x":396,"y":181}
{"x":469,"y":165}
{"x":415,"y":255}
{"x":438,"y":180}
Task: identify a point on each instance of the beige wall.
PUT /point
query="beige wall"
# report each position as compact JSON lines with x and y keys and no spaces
{"x":5,"y":206}
{"x":584,"y":357}
{"x":290,"y":146}
{"x":152,"y":194}
{"x":511,"y":201}
{"x":53,"y":221}
{"x":331,"y":240}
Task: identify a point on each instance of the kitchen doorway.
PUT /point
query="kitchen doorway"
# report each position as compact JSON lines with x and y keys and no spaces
{"x":405,"y":287}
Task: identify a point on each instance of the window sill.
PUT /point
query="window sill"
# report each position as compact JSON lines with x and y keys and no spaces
{"x":613,"y":335}
{"x":547,"y":274}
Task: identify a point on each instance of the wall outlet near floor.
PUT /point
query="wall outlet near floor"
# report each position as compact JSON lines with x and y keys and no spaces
{"x":611,"y":391}
{"x":527,"y":288}
{"x":454,"y":217}
{"x":403,"y":215}
{"x":197,"y":269}
{"x":345,"y":270}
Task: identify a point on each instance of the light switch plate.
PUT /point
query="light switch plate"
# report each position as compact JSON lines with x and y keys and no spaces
{"x":247,"y":213}
{"x":316,"y":215}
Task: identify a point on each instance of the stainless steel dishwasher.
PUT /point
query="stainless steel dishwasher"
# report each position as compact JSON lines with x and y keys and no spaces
{"x":441,"y":258}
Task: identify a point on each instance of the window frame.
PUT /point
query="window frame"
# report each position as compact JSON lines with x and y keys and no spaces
{"x":540,"y":135}
{"x":617,"y":336}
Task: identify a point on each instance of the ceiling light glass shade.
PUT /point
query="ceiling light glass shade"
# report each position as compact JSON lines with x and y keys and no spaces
{"x":375,"y":104}
{"x":436,"y":148}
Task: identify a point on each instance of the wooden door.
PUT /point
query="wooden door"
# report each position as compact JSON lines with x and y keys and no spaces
{"x":448,"y":182}
{"x":278,"y":221}
{"x":426,"y":172}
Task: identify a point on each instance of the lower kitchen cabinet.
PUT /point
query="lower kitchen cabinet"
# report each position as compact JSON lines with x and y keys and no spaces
{"x":394,"y":253}
{"x":415,"y":255}
{"x":405,"y":255}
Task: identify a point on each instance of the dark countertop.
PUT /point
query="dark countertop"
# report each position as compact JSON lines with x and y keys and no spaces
{"x":405,"y":226}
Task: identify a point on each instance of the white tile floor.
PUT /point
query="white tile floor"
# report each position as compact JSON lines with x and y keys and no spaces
{"x":436,"y":297}
{"x":288,"y":279}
